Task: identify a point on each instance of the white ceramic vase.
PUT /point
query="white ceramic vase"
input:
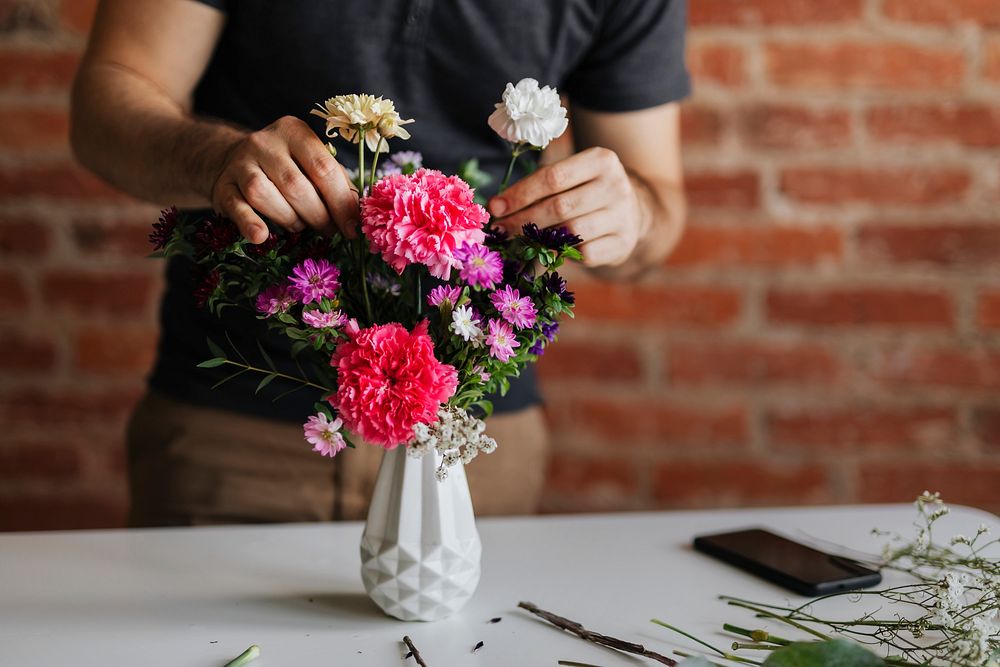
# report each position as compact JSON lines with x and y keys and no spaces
{"x":420,"y":550}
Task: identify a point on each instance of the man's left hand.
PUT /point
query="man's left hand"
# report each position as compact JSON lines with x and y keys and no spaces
{"x":591,"y":193}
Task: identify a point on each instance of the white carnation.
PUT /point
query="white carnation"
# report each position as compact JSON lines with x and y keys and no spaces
{"x":529,"y":114}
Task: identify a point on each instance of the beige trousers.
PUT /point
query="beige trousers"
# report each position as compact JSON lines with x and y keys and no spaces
{"x":190,"y":465}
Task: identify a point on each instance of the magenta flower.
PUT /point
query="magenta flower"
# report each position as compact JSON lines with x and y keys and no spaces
{"x":314,"y":279}
{"x":483,"y":375}
{"x":501,"y":340}
{"x":273,"y":300}
{"x":514,"y":308}
{"x":318,"y":319}
{"x":324,"y":435}
{"x":444,"y":293}
{"x":481,"y":267}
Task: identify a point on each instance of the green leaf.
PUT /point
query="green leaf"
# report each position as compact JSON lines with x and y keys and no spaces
{"x":212,"y":363}
{"x":215,"y":349}
{"x":834,"y":653}
{"x":324,"y":408}
{"x":298,"y":346}
{"x":267,"y":357}
{"x":265,"y":381}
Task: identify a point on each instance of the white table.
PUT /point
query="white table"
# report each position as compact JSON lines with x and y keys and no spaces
{"x":197,"y":597}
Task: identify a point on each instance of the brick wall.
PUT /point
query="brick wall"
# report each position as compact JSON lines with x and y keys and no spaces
{"x":828,"y":331}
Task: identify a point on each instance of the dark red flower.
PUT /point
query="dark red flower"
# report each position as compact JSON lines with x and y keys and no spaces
{"x":164,"y":229}
{"x":216,"y":234}
{"x":207,"y":284}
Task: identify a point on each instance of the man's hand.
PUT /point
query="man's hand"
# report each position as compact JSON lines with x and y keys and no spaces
{"x":589,"y":192}
{"x":284,"y":173}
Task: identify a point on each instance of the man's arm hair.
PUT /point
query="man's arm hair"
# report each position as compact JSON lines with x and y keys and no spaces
{"x":131,"y":117}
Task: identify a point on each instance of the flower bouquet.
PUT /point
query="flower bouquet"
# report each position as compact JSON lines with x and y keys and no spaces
{"x":403,"y":332}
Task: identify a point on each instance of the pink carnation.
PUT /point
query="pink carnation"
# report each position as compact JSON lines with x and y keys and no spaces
{"x":422,"y":218}
{"x":388,"y":380}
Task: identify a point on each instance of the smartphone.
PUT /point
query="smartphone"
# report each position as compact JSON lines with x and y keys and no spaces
{"x":787,"y":563}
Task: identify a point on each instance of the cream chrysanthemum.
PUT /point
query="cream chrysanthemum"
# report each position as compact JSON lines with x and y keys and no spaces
{"x":354,"y":116}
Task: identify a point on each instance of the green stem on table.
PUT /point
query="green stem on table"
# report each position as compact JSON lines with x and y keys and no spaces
{"x":685,"y":634}
{"x":778,"y":617}
{"x":266,"y":371}
{"x":243,"y":658}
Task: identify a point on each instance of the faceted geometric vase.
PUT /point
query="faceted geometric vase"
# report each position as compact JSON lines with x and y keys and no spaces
{"x":420,"y":551}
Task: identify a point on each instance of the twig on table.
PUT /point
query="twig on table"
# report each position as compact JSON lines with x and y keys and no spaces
{"x":243,"y":658}
{"x":597,"y":638}
{"x":414,"y":651}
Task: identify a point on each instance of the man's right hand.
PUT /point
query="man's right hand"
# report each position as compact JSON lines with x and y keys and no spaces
{"x":286,"y":174}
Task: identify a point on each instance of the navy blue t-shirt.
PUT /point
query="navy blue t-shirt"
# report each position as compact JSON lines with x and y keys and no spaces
{"x":444,"y":63}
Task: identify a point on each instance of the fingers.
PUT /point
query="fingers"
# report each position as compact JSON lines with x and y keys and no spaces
{"x":560,"y":208}
{"x":330,"y":180}
{"x":261,"y":194}
{"x":553,"y":179}
{"x":607,"y":250}
{"x":229,"y":202}
{"x":296,"y":189}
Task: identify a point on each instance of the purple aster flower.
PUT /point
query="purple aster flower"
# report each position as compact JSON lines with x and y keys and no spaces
{"x":443,"y":293}
{"x":275,"y":299}
{"x":164,"y":228}
{"x":403,"y":159}
{"x":514,"y":308}
{"x":538,"y":348}
{"x":483,"y":375}
{"x":318,"y":319}
{"x":314,"y":279}
{"x":556,"y":284}
{"x":264,"y":247}
{"x":500,"y":338}
{"x":481,"y":267}
{"x":550,"y":330}
{"x":514,"y":270}
{"x":495,"y":235}
{"x":553,"y":238}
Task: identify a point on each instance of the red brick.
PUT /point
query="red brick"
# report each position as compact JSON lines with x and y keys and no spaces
{"x":77,"y":15}
{"x":975,"y":125}
{"x":974,"y":368}
{"x":648,"y":305}
{"x":25,"y":16}
{"x":124,"y":238}
{"x":720,"y":64}
{"x":700,"y":125}
{"x":861,"y":307}
{"x":751,"y":363}
{"x":988,"y":310}
{"x":986,"y":425}
{"x":986,"y":12}
{"x":13,"y":297}
{"x":740,"y":189}
{"x":22,"y":352}
{"x":866,"y":426}
{"x":570,"y":360}
{"x":37,"y":70}
{"x":773,"y":126}
{"x":63,"y":181}
{"x":879,"y":66}
{"x":24,"y":238}
{"x":991,"y":58}
{"x":61,"y":513}
{"x":76,"y":407}
{"x":739,"y":483}
{"x":820,"y":185}
{"x":26,"y":129}
{"x":960,"y":483}
{"x":771,"y":12}
{"x":117,"y":293}
{"x":651,"y":421}
{"x":114,"y":350}
{"x":39,"y":460}
{"x":590,"y":483}
{"x":943,"y":245}
{"x":770,"y":246}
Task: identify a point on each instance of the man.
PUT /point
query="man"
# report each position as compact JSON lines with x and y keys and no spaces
{"x":205,"y":103}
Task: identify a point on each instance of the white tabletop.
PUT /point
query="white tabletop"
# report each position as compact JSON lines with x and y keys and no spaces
{"x":198,"y":597}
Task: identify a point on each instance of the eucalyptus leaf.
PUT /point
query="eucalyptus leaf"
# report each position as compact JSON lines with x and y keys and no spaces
{"x":265,"y":381}
{"x":833,"y":653}
{"x":215,"y":349}
{"x":267,"y":357}
{"x":212,"y":363}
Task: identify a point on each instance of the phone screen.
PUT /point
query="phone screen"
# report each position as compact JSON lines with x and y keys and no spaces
{"x":786,"y":562}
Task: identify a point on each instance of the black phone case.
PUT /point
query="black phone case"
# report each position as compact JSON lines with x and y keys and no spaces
{"x":705,"y":545}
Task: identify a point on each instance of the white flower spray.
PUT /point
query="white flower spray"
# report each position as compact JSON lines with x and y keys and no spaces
{"x":456,"y":435}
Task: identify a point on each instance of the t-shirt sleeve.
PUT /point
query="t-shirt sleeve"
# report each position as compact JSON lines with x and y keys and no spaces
{"x":218,"y":4}
{"x":636,"y":60}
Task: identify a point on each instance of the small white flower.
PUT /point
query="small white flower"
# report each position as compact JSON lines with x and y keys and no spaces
{"x":464,"y":324}
{"x":529,"y":114}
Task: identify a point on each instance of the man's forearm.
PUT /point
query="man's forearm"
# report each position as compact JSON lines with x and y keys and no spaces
{"x":132,"y":134}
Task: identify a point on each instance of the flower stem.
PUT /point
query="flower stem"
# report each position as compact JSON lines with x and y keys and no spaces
{"x":243,"y":658}
{"x":378,"y":149}
{"x":515,"y":153}
{"x":285,"y":376}
{"x":420,"y":300}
